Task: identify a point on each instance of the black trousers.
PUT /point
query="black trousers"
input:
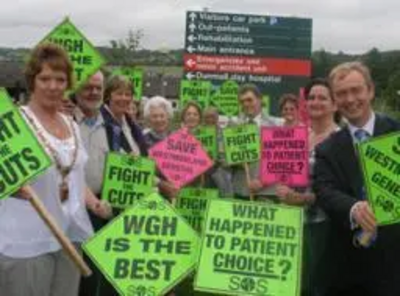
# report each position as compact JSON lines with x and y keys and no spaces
{"x":96,"y":284}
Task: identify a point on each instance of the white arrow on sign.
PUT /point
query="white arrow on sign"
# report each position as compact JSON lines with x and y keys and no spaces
{"x":191,"y":49}
{"x":190,"y":75}
{"x":192,"y":16}
{"x":191,"y":63}
{"x":273,"y":20}
{"x":191,"y":38}
{"x":192,"y":27}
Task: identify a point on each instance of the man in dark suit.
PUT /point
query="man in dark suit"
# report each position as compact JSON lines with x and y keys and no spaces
{"x":367,"y":267}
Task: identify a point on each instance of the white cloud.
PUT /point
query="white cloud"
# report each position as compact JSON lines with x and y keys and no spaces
{"x":347,"y":25}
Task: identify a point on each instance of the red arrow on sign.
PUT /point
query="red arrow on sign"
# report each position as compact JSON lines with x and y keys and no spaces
{"x":191,"y":63}
{"x":247,"y":65}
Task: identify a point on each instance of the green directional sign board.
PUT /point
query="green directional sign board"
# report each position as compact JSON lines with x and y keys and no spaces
{"x":136,"y":76}
{"x":226,"y":98}
{"x":197,"y":91}
{"x":146,"y":250}
{"x":211,"y":33}
{"x":242,"y":143}
{"x":380,"y":158}
{"x":127,"y":179}
{"x":84,"y":56}
{"x":272,"y":52}
{"x":207,"y":135}
{"x":251,"y":249}
{"x":22,"y":157}
{"x":192,"y":204}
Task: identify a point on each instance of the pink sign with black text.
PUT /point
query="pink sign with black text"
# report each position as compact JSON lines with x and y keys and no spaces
{"x":180,"y":158}
{"x":284,"y":156}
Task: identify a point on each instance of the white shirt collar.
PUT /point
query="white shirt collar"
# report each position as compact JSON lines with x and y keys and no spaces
{"x":368,"y":127}
{"x":80,"y":117}
{"x":257,"y":119}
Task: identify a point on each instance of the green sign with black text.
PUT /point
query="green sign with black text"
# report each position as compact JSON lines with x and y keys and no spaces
{"x":380,"y":158}
{"x":136,"y":76}
{"x":192,"y":204}
{"x":242,"y":143}
{"x":127,"y":179}
{"x":22,"y":157}
{"x":251,"y":248}
{"x":196,"y":91}
{"x":226,"y":98}
{"x":207,"y":135}
{"x":146,"y":250}
{"x":266,"y":105}
{"x":84,"y":56}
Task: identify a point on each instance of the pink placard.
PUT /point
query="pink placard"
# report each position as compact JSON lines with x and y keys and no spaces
{"x":180,"y":158}
{"x":284,"y":156}
{"x":303,"y":112}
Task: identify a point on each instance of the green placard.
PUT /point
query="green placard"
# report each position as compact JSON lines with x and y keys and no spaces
{"x":207,"y":135}
{"x":136,"y":76}
{"x":127,"y":179}
{"x":242,"y":143}
{"x":84,"y":56}
{"x":192,"y":204}
{"x":380,"y":158}
{"x":266,"y":105}
{"x":22,"y":157}
{"x":229,"y":87}
{"x":146,"y":250}
{"x":251,"y":249}
{"x":197,"y":91}
{"x":226,"y":98}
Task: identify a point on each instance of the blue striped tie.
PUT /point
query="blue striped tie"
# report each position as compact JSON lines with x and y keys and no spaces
{"x":361,"y":135}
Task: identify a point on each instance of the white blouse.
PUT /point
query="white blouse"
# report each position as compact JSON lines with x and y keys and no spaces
{"x":23,"y":234}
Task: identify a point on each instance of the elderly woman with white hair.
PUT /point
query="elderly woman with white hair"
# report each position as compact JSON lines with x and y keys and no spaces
{"x":157,"y":115}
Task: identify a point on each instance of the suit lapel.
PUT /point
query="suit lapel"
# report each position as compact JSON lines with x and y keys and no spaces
{"x":349,"y":161}
{"x":349,"y":156}
{"x":381,"y":126}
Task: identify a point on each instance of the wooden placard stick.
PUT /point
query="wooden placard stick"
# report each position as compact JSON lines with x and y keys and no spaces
{"x":57,"y":232}
{"x":248,"y":179}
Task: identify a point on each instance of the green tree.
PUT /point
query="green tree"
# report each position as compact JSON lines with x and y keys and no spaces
{"x":123,"y":50}
{"x":373,"y":59}
{"x":391,"y":94}
{"x":322,"y":63}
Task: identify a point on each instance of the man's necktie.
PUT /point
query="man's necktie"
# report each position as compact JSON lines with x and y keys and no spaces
{"x":361,"y":135}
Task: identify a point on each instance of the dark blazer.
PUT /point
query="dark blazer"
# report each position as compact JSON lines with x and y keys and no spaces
{"x":110,"y":124}
{"x":338,"y":185}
